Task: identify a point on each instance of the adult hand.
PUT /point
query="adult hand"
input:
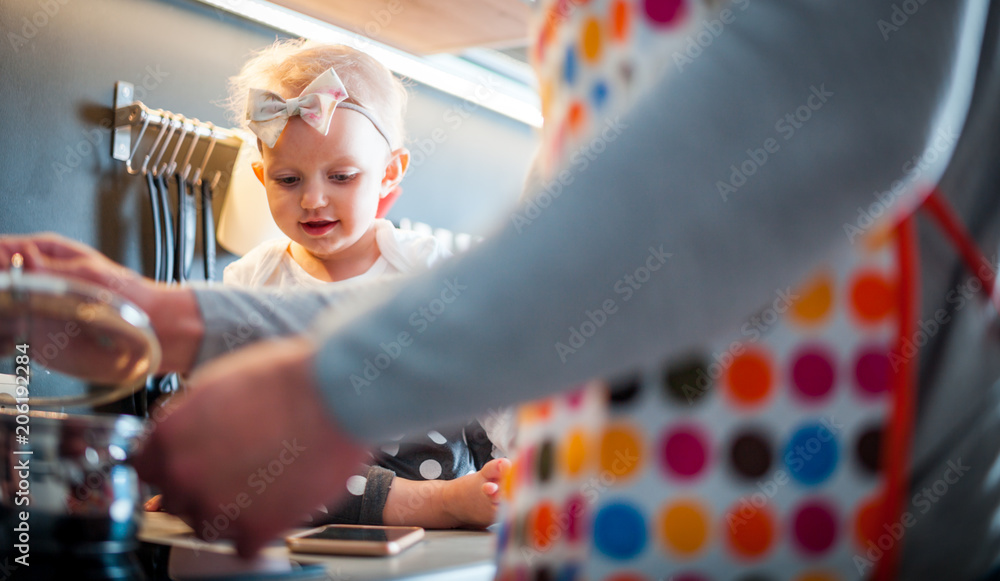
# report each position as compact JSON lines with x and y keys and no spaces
{"x":96,"y":347}
{"x":55,"y":254}
{"x":251,"y":449}
{"x":173,"y":311}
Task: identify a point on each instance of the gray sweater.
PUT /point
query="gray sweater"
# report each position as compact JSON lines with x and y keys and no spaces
{"x":483,"y":330}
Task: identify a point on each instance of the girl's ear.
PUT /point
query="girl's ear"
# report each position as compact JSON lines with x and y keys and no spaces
{"x":258,"y":170}
{"x":395,"y":169}
{"x":389,"y":189}
{"x":386,"y":203}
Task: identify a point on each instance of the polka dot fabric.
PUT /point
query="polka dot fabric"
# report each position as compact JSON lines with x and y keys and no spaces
{"x":585,"y":54}
{"x":758,"y":454}
{"x":754,"y":457}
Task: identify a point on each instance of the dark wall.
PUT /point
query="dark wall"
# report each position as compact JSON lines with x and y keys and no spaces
{"x":59,"y":61}
{"x":61,"y":58}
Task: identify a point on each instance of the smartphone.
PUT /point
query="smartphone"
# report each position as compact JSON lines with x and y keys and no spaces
{"x":354,"y":540}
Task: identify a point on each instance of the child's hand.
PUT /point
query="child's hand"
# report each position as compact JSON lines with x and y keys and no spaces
{"x":472,"y":500}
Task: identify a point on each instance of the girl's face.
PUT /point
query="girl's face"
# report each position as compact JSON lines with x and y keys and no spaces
{"x":323,"y":190}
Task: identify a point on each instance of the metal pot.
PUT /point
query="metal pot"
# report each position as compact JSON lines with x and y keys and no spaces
{"x":69,"y":500}
{"x":68,"y":491}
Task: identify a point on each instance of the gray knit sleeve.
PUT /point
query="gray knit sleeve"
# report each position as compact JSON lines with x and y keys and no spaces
{"x":503,"y":322}
{"x":236,"y":317}
{"x":365,"y":508}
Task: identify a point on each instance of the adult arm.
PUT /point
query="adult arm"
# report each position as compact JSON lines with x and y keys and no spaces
{"x":874,"y":103}
{"x":889,"y":94}
{"x":180,"y":315}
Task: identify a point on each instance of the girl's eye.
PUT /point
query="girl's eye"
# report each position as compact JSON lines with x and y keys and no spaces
{"x":343,"y":177}
{"x":287,"y":181}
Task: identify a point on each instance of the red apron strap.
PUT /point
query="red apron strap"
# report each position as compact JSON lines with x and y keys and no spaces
{"x":897,"y":447}
{"x":938,"y":207}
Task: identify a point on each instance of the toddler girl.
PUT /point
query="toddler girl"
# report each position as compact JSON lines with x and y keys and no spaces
{"x":329,"y":122}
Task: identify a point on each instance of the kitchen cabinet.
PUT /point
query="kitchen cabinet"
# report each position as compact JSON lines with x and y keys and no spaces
{"x":426,"y":26}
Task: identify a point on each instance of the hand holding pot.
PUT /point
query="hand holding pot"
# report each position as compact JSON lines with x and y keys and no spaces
{"x":55,"y":254}
{"x":173,"y":311}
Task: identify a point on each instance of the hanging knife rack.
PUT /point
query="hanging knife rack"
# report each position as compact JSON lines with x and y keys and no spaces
{"x":130,"y":113}
{"x":150,"y":142}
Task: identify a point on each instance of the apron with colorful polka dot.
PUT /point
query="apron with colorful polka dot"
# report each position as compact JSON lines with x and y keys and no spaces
{"x":776,"y":452}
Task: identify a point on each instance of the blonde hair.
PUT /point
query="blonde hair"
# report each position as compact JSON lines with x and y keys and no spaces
{"x":288,"y":66}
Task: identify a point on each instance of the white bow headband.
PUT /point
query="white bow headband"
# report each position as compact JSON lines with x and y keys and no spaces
{"x":268,"y":113}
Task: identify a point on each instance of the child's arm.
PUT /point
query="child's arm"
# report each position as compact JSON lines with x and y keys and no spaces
{"x":366,"y":498}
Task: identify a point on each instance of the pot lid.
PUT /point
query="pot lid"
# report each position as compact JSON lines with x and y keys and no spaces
{"x":72,"y":343}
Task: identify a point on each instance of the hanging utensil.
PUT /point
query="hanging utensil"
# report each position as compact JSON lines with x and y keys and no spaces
{"x":140,"y":398}
{"x":207,"y":211}
{"x":208,"y":225}
{"x":191,"y":201}
{"x":186,"y":230}
{"x":169,"y":383}
{"x":154,"y":202}
{"x":163,"y":194}
{"x":184,"y":234}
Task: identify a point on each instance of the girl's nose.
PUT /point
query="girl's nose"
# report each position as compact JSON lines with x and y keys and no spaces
{"x":314,"y":197}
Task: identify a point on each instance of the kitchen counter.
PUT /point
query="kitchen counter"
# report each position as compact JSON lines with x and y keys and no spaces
{"x":452,"y":555}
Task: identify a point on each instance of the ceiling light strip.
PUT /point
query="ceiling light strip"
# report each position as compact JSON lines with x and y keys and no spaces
{"x":445,"y":73}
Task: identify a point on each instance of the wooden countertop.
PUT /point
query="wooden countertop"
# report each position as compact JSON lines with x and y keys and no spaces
{"x":441,"y":556}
